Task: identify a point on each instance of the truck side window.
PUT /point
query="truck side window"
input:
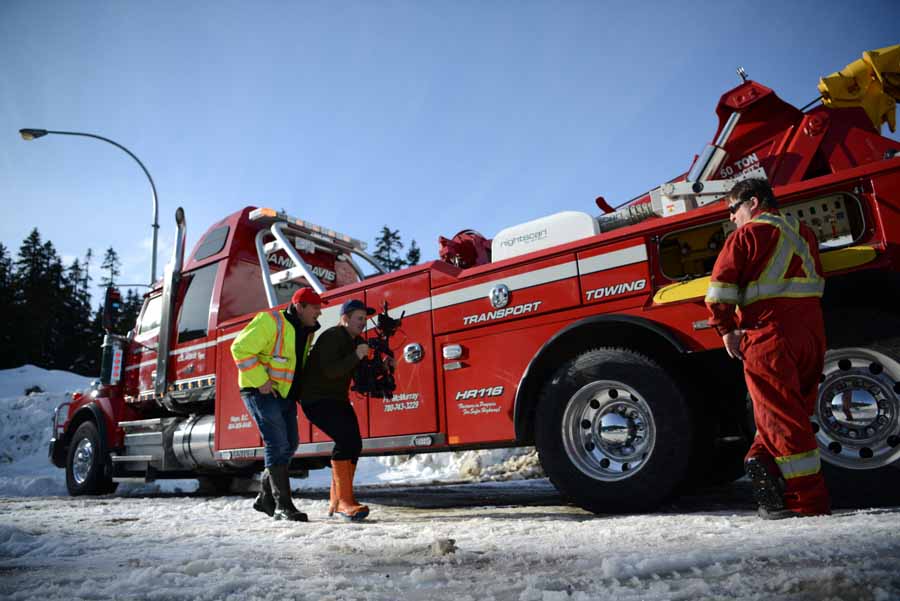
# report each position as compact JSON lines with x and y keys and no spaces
{"x":212,"y":243}
{"x":150,"y":316}
{"x":193,"y":318}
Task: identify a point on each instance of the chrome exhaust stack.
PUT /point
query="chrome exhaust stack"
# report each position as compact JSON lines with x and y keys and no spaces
{"x":171,"y":278}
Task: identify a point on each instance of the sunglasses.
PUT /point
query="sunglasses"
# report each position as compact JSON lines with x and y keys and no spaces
{"x":734,"y":208}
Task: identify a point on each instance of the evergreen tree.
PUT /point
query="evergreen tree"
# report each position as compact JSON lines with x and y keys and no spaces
{"x":38,"y":270}
{"x":79,"y":348}
{"x":8,"y":310}
{"x":413,"y":255}
{"x":387,"y":249}
{"x":56,"y":295}
{"x":112,"y":265}
{"x":86,"y":272}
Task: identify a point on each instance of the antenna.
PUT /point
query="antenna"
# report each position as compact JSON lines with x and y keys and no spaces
{"x":742,"y":74}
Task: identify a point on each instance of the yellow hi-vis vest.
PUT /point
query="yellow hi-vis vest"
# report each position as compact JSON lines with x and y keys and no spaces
{"x":266,"y":350}
{"x":773,"y":281}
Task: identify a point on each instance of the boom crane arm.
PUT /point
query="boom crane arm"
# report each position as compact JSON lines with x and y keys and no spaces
{"x":872,"y":82}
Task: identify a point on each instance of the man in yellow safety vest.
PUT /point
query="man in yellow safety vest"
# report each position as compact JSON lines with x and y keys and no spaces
{"x":270,"y":354}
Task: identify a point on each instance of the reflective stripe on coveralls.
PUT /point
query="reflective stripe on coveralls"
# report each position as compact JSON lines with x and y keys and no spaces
{"x":247,"y":363}
{"x":281,"y":375}
{"x":801,"y":464}
{"x":772,"y":282}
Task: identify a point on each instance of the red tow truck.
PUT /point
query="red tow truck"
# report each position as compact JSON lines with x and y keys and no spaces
{"x":583,"y":335}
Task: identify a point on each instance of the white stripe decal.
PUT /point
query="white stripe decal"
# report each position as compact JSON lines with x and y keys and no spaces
{"x":617,"y":258}
{"x":194,"y":347}
{"x":331,"y":315}
{"x":141,"y":364}
{"x":186,"y":349}
{"x":515,"y":282}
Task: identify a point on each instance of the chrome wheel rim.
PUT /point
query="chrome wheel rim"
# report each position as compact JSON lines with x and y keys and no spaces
{"x":83,"y":460}
{"x":857,"y":415}
{"x":608,"y":430}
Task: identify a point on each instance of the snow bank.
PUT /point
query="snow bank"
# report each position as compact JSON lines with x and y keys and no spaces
{"x":14,"y":382}
{"x":25,"y":424}
{"x":25,"y":429}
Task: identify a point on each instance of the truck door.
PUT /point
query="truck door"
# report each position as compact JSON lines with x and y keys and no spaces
{"x":193,"y":349}
{"x":413,"y":408}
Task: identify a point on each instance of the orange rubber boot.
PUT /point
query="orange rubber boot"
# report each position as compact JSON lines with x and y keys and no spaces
{"x":342,"y":470}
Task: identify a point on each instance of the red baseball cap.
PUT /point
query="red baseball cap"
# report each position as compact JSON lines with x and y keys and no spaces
{"x":308,"y":296}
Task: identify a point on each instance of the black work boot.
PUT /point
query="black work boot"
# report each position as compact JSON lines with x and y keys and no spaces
{"x":265,"y":502}
{"x":281,"y":490}
{"x":768,"y":490}
{"x":776,"y":514}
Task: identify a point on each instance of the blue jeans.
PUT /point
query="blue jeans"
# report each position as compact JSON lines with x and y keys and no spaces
{"x":276,"y":419}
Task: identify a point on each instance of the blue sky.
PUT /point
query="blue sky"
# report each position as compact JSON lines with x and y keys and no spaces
{"x":428,"y":116}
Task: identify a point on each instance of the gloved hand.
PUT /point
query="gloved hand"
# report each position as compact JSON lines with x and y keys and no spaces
{"x":732,"y":342}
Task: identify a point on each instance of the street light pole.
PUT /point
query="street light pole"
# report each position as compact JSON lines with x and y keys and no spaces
{"x":32,"y":134}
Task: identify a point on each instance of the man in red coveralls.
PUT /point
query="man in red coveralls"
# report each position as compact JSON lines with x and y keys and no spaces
{"x":769,"y":268}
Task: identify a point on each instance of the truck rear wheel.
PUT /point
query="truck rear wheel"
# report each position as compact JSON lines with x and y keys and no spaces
{"x":86,"y":463}
{"x":613,"y":431}
{"x":857,"y":414}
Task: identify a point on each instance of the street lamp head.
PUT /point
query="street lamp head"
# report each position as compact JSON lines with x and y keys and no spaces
{"x":31,"y":134}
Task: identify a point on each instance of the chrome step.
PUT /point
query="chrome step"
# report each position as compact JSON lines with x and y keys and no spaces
{"x":131,"y":458}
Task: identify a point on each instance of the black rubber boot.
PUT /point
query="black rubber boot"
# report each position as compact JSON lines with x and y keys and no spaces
{"x":281,"y":490}
{"x":265,"y":502}
{"x":768,"y":490}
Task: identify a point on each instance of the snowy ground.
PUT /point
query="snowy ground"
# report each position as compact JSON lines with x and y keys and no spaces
{"x":512,"y":540}
{"x":188,"y":547}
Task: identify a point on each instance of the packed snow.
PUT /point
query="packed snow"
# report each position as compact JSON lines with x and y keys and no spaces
{"x":495,"y":540}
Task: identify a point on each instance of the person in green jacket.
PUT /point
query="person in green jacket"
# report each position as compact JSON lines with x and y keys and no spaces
{"x":270,"y":354}
{"x":325,"y":402}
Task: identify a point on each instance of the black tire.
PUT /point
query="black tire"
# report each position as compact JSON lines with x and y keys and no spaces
{"x":635,"y":449}
{"x":87,"y":463}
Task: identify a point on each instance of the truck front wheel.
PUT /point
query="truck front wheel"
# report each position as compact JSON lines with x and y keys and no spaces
{"x":613,"y":431}
{"x":86,"y":463}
